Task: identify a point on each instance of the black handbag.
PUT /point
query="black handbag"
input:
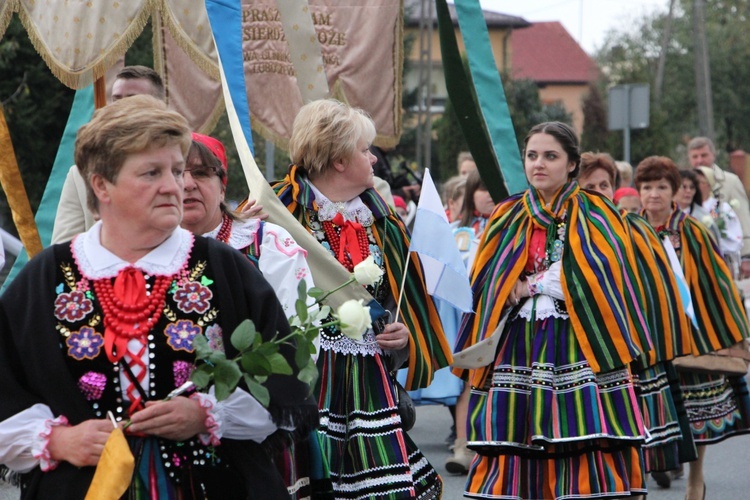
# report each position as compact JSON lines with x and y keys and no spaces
{"x":406,"y":409}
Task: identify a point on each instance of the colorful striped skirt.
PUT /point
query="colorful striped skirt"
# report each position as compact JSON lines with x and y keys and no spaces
{"x":545,"y":426}
{"x":670,"y":440}
{"x":718,"y":407}
{"x":368,"y":452}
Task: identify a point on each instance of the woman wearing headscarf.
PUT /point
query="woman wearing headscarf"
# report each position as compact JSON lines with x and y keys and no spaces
{"x":554,"y":415}
{"x":329,"y":189}
{"x":115,"y":312}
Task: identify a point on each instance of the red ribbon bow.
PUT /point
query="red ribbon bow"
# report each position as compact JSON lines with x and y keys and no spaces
{"x":130,"y":288}
{"x":348,"y":239}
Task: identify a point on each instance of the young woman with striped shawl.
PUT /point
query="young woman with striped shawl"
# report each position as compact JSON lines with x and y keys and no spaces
{"x":658,"y":385}
{"x":329,"y":189}
{"x":555,"y":415}
{"x":717,"y":406}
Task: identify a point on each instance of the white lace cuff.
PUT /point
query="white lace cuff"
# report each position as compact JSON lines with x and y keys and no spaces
{"x":40,"y":446}
{"x":208,"y":402}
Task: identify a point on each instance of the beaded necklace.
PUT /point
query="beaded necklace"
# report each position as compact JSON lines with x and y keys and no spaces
{"x":333,"y":236}
{"x":131,"y":320}
{"x":225,"y":231}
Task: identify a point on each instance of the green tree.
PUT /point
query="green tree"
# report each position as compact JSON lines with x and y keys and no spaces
{"x":450,"y":143}
{"x":36,"y":107}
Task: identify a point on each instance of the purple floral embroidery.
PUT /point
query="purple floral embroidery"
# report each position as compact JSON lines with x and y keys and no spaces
{"x":73,"y":306}
{"x":92,"y":385}
{"x":182,"y":371}
{"x":193,"y":296}
{"x":215,"y":338}
{"x":84,"y":344}
{"x":180,"y":335}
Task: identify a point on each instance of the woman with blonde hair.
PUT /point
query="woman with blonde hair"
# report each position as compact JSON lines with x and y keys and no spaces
{"x":329,"y":190}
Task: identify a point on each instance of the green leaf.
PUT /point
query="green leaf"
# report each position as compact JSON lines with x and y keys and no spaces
{"x":202,"y":349}
{"x":308,"y":374}
{"x":267,"y":349}
{"x":301,"y":309}
{"x":256,"y":364}
{"x":302,"y":290}
{"x":216,"y":357}
{"x":315,"y":292}
{"x":244,"y":335}
{"x":302,"y":356}
{"x":279,"y":364}
{"x":258,"y":391}
{"x":201,"y":376}
{"x":226,"y":377}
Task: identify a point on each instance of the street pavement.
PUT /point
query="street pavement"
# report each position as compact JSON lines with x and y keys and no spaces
{"x":727,"y":467}
{"x":727,"y":464}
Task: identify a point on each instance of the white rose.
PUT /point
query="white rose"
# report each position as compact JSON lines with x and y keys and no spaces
{"x":355,"y":318}
{"x":367,"y":272}
{"x":734,"y":203}
{"x":707,"y":220}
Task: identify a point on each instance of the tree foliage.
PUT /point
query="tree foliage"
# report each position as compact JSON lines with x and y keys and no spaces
{"x":630,"y":55}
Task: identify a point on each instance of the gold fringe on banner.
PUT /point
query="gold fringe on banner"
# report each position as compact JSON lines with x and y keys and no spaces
{"x":206,"y":62}
{"x":80,"y":78}
{"x":12,"y":184}
{"x":7,"y":8}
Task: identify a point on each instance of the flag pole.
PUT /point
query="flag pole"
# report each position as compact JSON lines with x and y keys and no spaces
{"x":403,"y":283}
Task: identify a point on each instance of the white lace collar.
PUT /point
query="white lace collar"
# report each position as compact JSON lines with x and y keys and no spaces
{"x":96,"y":262}
{"x":353,"y":210}
{"x":242,"y":235}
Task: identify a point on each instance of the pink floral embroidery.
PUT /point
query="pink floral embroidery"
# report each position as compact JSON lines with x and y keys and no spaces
{"x":301,"y":273}
{"x":45,"y":459}
{"x":72,"y":307}
{"x":215,"y":337}
{"x":212,"y":436}
{"x":84,"y":344}
{"x":180,"y":335}
{"x":193,"y":296}
{"x":92,"y":385}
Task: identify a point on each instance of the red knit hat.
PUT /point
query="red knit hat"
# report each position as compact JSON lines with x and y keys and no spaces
{"x":216,"y":147}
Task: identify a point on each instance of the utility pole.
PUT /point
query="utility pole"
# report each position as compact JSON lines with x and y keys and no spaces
{"x":702,"y":71}
{"x":666,"y":36}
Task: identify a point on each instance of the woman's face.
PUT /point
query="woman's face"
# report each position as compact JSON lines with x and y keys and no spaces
{"x":146,"y":197}
{"x":358,"y":168}
{"x":598,"y":181}
{"x":204,"y":193}
{"x":703,"y":186}
{"x":454,"y":208}
{"x":546,"y":164}
{"x":656,"y":197}
{"x":684,"y":196}
{"x":483,"y":202}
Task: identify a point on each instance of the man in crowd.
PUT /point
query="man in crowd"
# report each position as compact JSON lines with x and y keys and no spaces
{"x":701,"y":153}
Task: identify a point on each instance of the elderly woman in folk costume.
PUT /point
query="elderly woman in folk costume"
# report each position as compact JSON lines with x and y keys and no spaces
{"x":329,"y":189}
{"x":111,"y":331}
{"x":671,"y":441}
{"x":274,"y":252}
{"x":555,"y":413}
{"x":717,"y":406}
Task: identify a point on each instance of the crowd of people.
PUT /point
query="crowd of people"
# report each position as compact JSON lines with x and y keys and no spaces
{"x":595,"y":280}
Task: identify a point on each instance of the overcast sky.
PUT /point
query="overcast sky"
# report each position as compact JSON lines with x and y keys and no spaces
{"x":598,"y":16}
